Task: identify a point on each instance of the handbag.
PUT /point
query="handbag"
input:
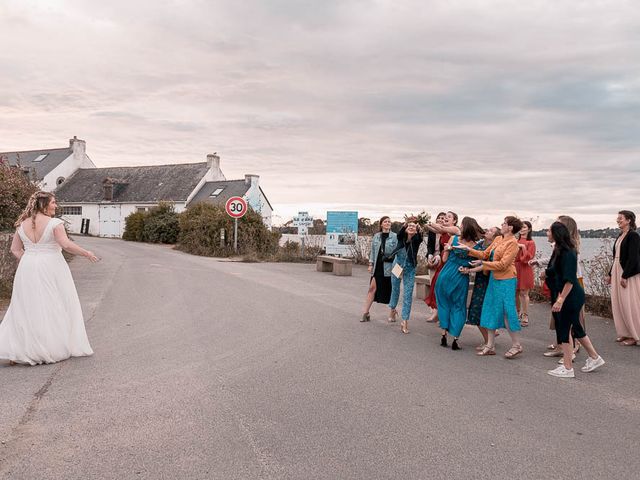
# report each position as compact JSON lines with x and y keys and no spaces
{"x":397,"y":270}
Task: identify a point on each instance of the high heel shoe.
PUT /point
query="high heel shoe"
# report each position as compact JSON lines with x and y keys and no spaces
{"x":443,"y":340}
{"x":454,"y":344}
{"x":404,"y":327}
{"x":393,"y":315}
{"x":365,"y":317}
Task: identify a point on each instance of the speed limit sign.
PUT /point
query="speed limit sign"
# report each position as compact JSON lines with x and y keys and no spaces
{"x":236,"y":207}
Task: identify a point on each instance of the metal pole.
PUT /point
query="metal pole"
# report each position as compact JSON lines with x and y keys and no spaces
{"x":235,"y":235}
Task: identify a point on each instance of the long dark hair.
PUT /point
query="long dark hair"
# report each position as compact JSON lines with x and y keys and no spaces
{"x":562,"y":239}
{"x":470,"y":230}
{"x":629,"y":215}
{"x":382,"y":220}
{"x":529,"y":228}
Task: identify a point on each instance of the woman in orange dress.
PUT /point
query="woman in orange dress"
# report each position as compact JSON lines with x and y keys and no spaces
{"x":526,"y":252}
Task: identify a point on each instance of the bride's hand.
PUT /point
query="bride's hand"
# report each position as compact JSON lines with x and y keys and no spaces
{"x":92,"y":256}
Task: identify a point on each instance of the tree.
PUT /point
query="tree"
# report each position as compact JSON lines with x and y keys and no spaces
{"x":15,"y":190}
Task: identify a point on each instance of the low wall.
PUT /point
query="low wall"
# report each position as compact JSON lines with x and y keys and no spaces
{"x":8,"y":265}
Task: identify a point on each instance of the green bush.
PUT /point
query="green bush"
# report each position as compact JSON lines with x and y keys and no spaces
{"x":200,"y":227}
{"x":134,"y":227}
{"x":15,"y":190}
{"x":159,"y":225}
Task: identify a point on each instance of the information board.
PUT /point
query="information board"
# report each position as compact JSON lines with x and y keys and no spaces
{"x":342,"y":233}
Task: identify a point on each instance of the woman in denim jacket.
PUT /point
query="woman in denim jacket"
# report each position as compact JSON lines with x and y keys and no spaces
{"x":409,"y":240}
{"x":383,"y":245}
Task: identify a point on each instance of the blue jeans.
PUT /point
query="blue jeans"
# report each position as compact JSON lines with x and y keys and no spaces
{"x":408,"y":278}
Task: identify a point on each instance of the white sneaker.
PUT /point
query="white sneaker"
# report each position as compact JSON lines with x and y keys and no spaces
{"x":562,"y":372}
{"x":561,"y":361}
{"x":590,"y":365}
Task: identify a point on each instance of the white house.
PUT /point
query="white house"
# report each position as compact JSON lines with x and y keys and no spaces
{"x":218,"y":192}
{"x":100,"y":199}
{"x":51,"y":167}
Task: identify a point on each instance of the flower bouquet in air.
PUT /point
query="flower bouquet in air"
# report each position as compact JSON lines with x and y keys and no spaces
{"x":422,"y":219}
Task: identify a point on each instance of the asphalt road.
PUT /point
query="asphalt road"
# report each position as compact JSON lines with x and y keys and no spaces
{"x":207,"y":369}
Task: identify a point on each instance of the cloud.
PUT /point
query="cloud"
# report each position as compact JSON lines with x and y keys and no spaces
{"x":483,"y":106}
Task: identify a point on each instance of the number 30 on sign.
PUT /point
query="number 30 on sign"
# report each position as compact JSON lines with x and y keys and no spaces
{"x":236,"y":207}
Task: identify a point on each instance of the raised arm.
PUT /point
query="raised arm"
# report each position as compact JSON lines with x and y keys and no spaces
{"x":17,"y":247}
{"x":60,"y":235}
{"x":507,"y":259}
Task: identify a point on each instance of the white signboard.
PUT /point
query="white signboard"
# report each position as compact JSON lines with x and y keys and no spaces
{"x":303,"y":221}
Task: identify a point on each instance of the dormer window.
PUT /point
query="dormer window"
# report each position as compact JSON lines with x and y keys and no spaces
{"x":39,"y":158}
{"x":217,"y":192}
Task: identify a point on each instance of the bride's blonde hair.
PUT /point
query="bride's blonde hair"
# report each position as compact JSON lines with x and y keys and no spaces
{"x":38,"y":202}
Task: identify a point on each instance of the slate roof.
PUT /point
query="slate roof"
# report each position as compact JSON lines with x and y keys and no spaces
{"x":54,"y":157}
{"x":133,"y":184}
{"x":232,"y":188}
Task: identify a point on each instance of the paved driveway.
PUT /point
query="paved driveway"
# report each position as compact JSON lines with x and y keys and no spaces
{"x":207,"y":369}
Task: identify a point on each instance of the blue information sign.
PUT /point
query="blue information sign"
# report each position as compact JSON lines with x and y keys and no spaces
{"x":342,"y":233}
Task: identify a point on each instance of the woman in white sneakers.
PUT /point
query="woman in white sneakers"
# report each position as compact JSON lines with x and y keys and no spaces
{"x":567,"y":297}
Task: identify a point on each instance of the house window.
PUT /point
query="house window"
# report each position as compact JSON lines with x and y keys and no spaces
{"x":217,"y":192}
{"x":71,"y":210}
{"x":39,"y":158}
{"x":144,"y":209}
{"x":59,"y":181}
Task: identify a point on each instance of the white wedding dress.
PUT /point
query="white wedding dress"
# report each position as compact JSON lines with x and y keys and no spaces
{"x":44,"y":321}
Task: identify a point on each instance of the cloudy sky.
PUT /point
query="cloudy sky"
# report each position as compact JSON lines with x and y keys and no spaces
{"x":486,"y":107}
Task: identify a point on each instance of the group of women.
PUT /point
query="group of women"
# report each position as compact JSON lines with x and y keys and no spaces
{"x":502,"y":259}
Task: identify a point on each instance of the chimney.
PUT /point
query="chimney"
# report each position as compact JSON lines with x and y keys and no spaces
{"x":214,"y":173}
{"x":107,"y":185}
{"x":252,"y":180}
{"x":78,"y":146}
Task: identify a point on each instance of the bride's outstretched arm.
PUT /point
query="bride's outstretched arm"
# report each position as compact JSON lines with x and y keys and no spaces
{"x":61,"y":237}
{"x":17,"y":247}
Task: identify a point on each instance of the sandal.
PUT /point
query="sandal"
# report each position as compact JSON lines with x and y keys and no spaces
{"x":365,"y":317}
{"x":621,"y":339}
{"x":552,"y":346}
{"x":629,"y":342}
{"x":404,"y":327}
{"x":524,"y":320}
{"x":481,"y":347}
{"x":486,"y":351}
{"x":393,"y":315}
{"x":513,"y":351}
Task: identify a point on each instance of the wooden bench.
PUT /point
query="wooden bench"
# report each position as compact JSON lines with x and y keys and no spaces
{"x":339,"y":266}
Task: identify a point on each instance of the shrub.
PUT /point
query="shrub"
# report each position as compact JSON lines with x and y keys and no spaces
{"x":134,"y":227}
{"x":15,"y":190}
{"x":8,"y":265}
{"x":161,"y":224}
{"x":200,"y":227}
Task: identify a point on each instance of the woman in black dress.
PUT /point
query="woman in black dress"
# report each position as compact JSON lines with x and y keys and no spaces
{"x":567,"y":297}
{"x":383,"y":245}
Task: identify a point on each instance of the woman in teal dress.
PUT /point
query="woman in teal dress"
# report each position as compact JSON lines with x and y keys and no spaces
{"x":480,"y":287}
{"x":453,"y":285}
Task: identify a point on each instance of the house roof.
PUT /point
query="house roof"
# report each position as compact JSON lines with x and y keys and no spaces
{"x":152,"y":183}
{"x":53,"y":158}
{"x":230,"y":188}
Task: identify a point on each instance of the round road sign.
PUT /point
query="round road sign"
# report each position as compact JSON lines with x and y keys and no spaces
{"x":236,"y":207}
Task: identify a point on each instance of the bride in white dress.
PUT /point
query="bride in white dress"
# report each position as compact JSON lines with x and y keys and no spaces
{"x":44,"y":321}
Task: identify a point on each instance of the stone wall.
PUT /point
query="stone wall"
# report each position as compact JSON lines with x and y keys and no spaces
{"x":8,"y":265}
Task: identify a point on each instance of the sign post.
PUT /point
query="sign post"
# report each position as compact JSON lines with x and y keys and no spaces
{"x":236,"y":207}
{"x":342,"y":233}
{"x":303,"y":221}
